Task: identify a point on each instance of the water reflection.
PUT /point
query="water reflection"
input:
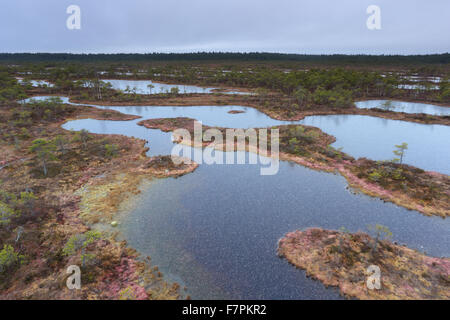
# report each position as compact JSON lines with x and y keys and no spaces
{"x":359,"y":136}
{"x":403,"y":106}
{"x":150,"y":87}
{"x":216,"y":229}
{"x":374,"y":138}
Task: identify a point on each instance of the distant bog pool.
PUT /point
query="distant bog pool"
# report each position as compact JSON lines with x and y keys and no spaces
{"x":150,"y":87}
{"x":403,"y":106}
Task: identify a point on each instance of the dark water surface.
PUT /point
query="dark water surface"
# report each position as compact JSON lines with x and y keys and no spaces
{"x":217,"y":229}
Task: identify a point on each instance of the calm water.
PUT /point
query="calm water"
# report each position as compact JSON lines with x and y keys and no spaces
{"x":38,"y":83}
{"x":359,"y":136}
{"x":216,"y":230}
{"x":44,"y":98}
{"x":141,"y":87}
{"x":374,"y":138}
{"x":421,"y":79}
{"x":417,"y":86}
{"x":406,"y":107}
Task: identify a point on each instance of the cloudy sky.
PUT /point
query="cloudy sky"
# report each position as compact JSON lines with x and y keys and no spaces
{"x":294,"y":26}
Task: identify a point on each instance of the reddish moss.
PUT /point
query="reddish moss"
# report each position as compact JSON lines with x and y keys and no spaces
{"x":342,"y":259}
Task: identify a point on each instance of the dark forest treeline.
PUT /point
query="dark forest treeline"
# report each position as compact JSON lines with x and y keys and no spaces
{"x":219,"y":56}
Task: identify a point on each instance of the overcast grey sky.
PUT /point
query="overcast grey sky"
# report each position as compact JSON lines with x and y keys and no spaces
{"x":294,"y":26}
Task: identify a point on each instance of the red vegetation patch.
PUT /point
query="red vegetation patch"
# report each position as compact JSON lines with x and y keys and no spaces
{"x":342,"y":259}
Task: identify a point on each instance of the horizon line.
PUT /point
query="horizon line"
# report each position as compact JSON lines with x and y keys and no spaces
{"x":228,"y":52}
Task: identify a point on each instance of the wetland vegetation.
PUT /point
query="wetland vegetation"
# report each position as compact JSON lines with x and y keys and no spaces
{"x":67,"y":196}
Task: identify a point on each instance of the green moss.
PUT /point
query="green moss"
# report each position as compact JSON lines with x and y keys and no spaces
{"x":9,"y":259}
{"x":81,"y":241}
